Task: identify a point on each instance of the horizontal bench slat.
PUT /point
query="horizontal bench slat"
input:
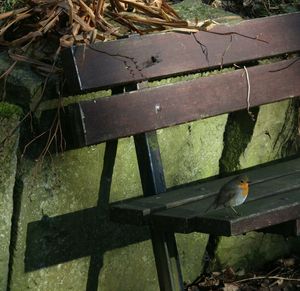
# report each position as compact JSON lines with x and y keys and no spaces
{"x":288,"y":228}
{"x":137,"y":211}
{"x":154,"y":108}
{"x":269,"y":211}
{"x":267,"y":197}
{"x":109,"y":64}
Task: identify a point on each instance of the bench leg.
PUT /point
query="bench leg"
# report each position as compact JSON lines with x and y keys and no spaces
{"x":153,"y":182}
{"x":167,"y":261}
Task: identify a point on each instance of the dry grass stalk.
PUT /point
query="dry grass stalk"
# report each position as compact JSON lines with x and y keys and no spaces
{"x":13,"y":13}
{"x":80,"y":21}
{"x":45,"y":67}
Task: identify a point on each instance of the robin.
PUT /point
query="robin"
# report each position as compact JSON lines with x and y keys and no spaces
{"x":233,"y":193}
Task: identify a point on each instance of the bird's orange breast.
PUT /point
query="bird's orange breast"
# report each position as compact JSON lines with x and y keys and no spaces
{"x":245,"y":188}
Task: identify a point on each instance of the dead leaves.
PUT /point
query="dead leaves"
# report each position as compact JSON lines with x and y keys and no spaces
{"x":284,"y":274}
{"x":79,"y":21}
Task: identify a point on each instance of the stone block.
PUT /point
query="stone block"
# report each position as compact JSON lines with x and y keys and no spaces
{"x":9,"y":118}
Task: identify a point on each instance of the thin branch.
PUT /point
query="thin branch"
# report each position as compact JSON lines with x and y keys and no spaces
{"x":124,"y":59}
{"x":37,"y":104}
{"x":4,"y":87}
{"x":29,"y":143}
{"x":203,"y":47}
{"x":9,"y":70}
{"x":267,"y":277}
{"x":236,"y":33}
{"x":286,"y":67}
{"x":5,"y":15}
{"x":225,"y":51}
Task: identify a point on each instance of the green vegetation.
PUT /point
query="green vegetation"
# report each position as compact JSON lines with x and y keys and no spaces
{"x":6,"y":5}
{"x":7,"y":110}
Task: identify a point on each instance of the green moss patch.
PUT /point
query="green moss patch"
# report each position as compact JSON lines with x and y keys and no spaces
{"x":8,"y":110}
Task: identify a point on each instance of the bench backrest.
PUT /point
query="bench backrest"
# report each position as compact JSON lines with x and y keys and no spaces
{"x":156,"y":56}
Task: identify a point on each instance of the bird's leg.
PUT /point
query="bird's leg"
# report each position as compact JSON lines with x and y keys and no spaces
{"x":235,"y":211}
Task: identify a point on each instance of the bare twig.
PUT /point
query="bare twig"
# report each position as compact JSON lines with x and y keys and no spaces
{"x":225,"y":51}
{"x":13,"y":13}
{"x":90,"y":21}
{"x":28,"y":114}
{"x":130,"y":63}
{"x":267,"y":277}
{"x":33,"y":140}
{"x":236,"y":33}
{"x":19,"y":17}
{"x":286,"y":67}
{"x":5,"y":76}
{"x":22,"y":58}
{"x":9,"y":70}
{"x":203,"y":47}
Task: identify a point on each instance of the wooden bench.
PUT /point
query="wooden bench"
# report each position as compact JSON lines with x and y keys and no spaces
{"x":274,"y":203}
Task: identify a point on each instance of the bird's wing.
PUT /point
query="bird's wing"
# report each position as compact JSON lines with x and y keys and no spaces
{"x":224,"y":196}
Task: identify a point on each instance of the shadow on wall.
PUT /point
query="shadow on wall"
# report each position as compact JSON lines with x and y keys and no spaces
{"x":88,"y":232}
{"x":59,"y":239}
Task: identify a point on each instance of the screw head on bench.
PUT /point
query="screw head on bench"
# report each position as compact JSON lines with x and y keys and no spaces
{"x":232,"y":194}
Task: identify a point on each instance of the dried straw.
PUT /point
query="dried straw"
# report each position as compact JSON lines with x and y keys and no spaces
{"x":79,"y":21}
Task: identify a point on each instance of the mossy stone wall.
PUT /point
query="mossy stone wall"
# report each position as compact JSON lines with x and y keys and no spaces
{"x":64,"y":239}
{"x":68,"y":241}
{"x":9,"y":118}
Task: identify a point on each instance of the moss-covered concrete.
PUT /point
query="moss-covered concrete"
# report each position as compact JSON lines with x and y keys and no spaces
{"x":67,"y":186}
{"x":22,"y":86}
{"x":9,"y":111}
{"x":271,"y":135}
{"x":186,"y":150}
{"x":196,"y":10}
{"x":271,"y":132}
{"x":46,"y":193}
{"x":251,"y":251}
{"x":70,"y":182}
{"x":65,"y":240}
{"x":9,"y":118}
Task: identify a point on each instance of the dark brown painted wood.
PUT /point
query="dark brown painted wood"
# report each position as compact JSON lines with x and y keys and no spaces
{"x":275,"y":191}
{"x":289,"y":228}
{"x":109,"y":64}
{"x":153,"y":183}
{"x":197,"y":196}
{"x":272,"y":210}
{"x":255,"y":214}
{"x":153,"y":108}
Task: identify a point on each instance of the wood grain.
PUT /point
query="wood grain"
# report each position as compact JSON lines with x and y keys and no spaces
{"x":148,"y":57}
{"x":184,"y":207}
{"x":154,"y":108}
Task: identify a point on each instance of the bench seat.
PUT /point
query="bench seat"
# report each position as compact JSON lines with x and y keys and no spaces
{"x":274,"y":198}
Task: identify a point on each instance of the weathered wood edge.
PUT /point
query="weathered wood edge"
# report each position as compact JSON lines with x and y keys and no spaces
{"x":288,"y":228}
{"x":154,"y":108}
{"x":141,"y":58}
{"x":224,"y":222}
{"x":138,"y":210}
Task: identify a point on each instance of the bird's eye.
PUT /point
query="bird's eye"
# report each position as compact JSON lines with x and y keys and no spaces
{"x":242,"y":182}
